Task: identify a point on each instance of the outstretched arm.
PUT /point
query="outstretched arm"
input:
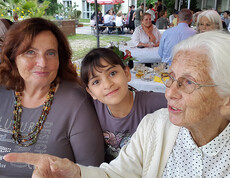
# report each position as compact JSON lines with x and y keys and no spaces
{"x":46,"y":166}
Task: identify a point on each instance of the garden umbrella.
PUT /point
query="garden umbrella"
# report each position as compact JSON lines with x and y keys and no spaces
{"x":103,"y":2}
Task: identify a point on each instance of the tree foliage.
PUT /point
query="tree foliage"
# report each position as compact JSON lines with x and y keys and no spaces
{"x":35,"y":8}
{"x":53,"y":7}
{"x":70,"y":12}
{"x":116,"y":7}
{"x":170,"y":4}
{"x":31,"y":8}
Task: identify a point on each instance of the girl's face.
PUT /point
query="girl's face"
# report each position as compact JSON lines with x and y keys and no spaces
{"x":109,"y":85}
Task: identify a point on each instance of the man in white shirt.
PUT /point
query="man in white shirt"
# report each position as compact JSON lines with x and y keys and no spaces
{"x":108,"y":21}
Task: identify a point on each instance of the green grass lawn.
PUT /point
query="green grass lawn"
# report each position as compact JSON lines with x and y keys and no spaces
{"x":82,"y":44}
{"x":84,"y":20}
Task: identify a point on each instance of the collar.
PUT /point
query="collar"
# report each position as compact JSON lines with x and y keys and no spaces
{"x":182,"y":24}
{"x":212,"y":148}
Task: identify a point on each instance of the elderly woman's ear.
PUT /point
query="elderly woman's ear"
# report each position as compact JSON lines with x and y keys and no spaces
{"x":225,"y":109}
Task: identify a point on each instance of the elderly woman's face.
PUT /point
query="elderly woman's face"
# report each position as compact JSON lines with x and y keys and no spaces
{"x":38,"y":66}
{"x":205,"y":25}
{"x":202,"y":106}
{"x":147,"y":21}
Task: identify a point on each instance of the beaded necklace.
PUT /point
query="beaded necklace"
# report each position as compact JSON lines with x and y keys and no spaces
{"x":30,"y":138}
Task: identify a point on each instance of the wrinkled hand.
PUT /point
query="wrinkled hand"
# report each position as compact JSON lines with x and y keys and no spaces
{"x":46,"y":166}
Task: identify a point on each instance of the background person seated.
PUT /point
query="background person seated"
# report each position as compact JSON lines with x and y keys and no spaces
{"x":226,"y":18}
{"x":93,"y":19}
{"x":119,"y":22}
{"x":109,"y":20}
{"x":174,"y":35}
{"x":146,"y":35}
{"x":209,"y":20}
{"x":100,"y":18}
{"x":194,"y":19}
{"x":162,"y":22}
{"x":174,"y":19}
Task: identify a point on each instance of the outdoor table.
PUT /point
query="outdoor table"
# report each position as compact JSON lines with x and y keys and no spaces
{"x":142,"y":55}
{"x":146,"y":85}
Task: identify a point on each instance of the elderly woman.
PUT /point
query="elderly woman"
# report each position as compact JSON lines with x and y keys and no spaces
{"x":209,"y":20}
{"x":188,"y":139}
{"x":146,"y":35}
{"x":43,"y":108}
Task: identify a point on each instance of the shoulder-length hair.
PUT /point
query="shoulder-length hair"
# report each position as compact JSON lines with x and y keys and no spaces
{"x":19,"y":39}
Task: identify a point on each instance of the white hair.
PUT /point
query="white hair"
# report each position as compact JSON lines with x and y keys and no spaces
{"x":216,"y":45}
{"x":213,"y":17}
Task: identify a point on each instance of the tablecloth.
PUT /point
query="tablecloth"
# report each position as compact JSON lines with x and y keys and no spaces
{"x":143,"y":55}
{"x":146,"y":85}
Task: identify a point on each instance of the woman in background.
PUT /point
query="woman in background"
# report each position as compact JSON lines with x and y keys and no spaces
{"x":209,"y":20}
{"x":146,"y":35}
{"x":119,"y":22}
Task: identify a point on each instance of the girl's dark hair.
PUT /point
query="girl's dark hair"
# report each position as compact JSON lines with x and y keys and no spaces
{"x":92,"y":62}
{"x":19,"y":39}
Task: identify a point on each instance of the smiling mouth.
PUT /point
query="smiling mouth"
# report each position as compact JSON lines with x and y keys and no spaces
{"x":41,"y":73}
{"x":112,"y":92}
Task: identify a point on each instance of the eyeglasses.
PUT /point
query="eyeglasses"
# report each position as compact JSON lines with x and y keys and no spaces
{"x":183,"y":84}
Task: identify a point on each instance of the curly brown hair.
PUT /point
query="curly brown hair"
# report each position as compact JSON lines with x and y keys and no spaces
{"x":19,"y":39}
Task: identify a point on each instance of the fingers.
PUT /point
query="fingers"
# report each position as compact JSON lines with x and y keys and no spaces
{"x":46,"y":166}
{"x":29,"y":158}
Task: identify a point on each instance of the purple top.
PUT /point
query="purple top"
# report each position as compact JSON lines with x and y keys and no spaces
{"x":117,"y":131}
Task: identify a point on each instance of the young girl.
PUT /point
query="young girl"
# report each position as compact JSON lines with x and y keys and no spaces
{"x":119,"y":109}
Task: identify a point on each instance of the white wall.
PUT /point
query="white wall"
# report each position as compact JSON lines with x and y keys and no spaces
{"x":82,"y":7}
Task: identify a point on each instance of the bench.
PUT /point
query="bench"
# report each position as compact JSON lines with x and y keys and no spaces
{"x":93,"y":28}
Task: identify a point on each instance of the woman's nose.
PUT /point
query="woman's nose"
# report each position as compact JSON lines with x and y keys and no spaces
{"x":172,"y":91}
{"x":204,"y":27}
{"x":41,"y":60}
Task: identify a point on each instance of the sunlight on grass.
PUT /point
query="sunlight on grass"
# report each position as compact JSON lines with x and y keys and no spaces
{"x":84,"y":20}
{"x":81,"y":44}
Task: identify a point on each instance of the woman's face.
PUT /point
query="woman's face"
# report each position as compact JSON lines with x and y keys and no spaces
{"x":110,"y":12}
{"x":202,"y":106}
{"x":38,"y":66}
{"x":205,"y":25}
{"x":147,"y":21}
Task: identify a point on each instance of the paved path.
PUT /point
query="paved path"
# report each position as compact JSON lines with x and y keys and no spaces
{"x":87,"y":30}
